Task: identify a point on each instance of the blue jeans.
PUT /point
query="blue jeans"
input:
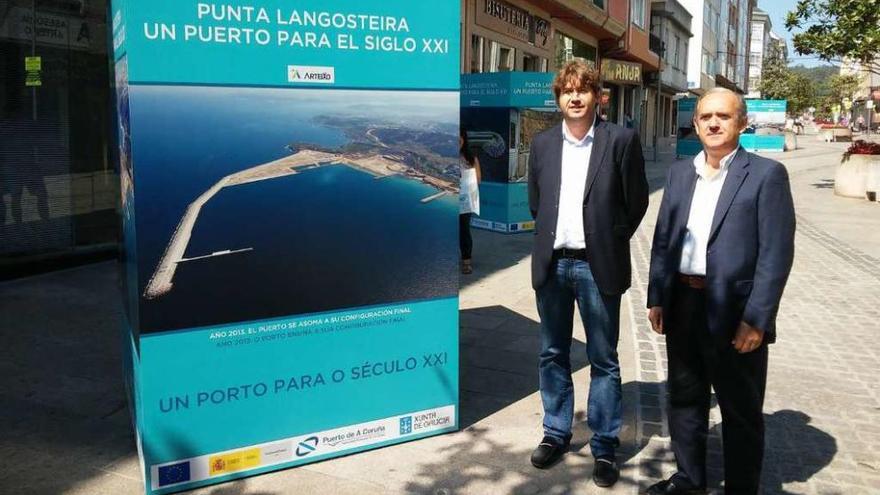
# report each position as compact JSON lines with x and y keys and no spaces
{"x":572,"y":280}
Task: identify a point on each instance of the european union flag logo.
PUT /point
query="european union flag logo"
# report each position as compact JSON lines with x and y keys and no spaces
{"x":174,"y":473}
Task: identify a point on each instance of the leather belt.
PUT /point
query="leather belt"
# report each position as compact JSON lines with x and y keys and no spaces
{"x":577,"y":254}
{"x":692,"y":281}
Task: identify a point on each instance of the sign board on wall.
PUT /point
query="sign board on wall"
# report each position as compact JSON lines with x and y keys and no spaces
{"x":289,"y":176}
{"x":620,"y":72}
{"x":33,"y":67}
{"x":518,"y":23}
{"x":71,"y":32}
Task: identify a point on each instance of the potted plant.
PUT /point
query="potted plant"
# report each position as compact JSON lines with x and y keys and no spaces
{"x":859,"y":171}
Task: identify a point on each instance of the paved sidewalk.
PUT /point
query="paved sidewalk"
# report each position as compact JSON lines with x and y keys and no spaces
{"x":64,"y":425}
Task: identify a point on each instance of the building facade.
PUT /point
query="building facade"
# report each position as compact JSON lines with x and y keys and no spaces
{"x":671,"y":24}
{"x":703,"y":54}
{"x":722,"y":31}
{"x":627,"y":68}
{"x":758,"y":49}
{"x":780,"y":44}
{"x":866,"y":100}
{"x":733,"y":49}
{"x":541,"y":35}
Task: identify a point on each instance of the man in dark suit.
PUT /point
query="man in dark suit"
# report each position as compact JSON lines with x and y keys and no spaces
{"x":723,"y":248}
{"x":587,"y":193}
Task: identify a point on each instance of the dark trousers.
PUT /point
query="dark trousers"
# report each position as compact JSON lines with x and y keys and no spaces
{"x":465,"y":242}
{"x":698,"y":361}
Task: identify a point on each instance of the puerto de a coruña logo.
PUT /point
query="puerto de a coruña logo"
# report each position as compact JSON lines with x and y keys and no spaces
{"x":406,"y":425}
{"x":307,"y":446}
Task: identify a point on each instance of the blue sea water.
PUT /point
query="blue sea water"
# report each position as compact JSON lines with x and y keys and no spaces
{"x":326,"y":238}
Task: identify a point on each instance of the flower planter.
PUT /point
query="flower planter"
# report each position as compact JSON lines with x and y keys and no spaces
{"x":835,"y":134}
{"x":851,"y":178}
{"x":790,"y":141}
{"x":872,"y":183}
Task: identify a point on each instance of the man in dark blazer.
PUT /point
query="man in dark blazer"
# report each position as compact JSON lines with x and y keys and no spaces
{"x":723,"y":248}
{"x":587,"y":193}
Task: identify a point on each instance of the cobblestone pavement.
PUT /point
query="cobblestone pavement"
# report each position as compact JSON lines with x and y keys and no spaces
{"x":823,"y":405}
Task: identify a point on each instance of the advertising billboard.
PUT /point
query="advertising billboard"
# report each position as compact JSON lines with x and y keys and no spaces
{"x":289,"y":177}
{"x":501,"y":112}
{"x":764,"y":130}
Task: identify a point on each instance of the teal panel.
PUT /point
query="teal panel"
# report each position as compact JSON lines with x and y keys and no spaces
{"x":508,"y":89}
{"x":753,"y":142}
{"x":388,"y":44}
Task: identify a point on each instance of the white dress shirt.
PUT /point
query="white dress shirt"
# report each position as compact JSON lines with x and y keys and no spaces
{"x":570,"y":212}
{"x":699,"y":226}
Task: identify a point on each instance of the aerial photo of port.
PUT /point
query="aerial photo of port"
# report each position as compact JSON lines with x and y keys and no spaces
{"x":353,"y":204}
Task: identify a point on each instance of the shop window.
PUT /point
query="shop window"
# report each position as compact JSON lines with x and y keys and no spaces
{"x":599,"y":3}
{"x":638,"y":13}
{"x":477,"y":52}
{"x":684,"y":67}
{"x":501,"y":58}
{"x":568,"y":48}
{"x":59,"y":190}
{"x":534,"y":63}
{"x":676,"y":59}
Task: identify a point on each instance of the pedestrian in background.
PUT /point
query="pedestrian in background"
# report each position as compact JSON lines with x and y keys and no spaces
{"x":469,"y":199}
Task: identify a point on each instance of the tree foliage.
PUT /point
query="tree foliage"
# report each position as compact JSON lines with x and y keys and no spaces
{"x":838,"y":29}
{"x":802,"y":93}
{"x":774,"y":75}
{"x":843,"y":86}
{"x":779,"y":82}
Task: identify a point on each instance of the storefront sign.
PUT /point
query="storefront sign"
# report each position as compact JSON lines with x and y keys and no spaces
{"x":282,"y":305}
{"x":541,"y":33}
{"x":33,"y":67}
{"x":52,"y":29}
{"x":515,"y":22}
{"x":618,"y":71}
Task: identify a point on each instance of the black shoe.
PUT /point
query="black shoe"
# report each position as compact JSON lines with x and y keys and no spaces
{"x":605,"y":471}
{"x":549,"y":451}
{"x":673,"y":487}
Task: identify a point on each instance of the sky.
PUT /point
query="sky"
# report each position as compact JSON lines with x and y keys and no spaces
{"x":777,"y":9}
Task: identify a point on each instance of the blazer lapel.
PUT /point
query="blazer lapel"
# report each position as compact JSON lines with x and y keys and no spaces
{"x":687,"y":199}
{"x":554,"y":159}
{"x":597,"y":154}
{"x":736,"y":174}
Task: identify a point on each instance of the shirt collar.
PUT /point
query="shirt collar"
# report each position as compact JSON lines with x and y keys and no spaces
{"x":566,"y":134}
{"x":700,"y":162}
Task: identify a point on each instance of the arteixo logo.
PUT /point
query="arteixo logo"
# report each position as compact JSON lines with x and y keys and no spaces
{"x":311,"y":74}
{"x":307,"y":446}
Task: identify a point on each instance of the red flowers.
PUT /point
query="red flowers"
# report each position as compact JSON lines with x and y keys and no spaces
{"x":863,"y":148}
